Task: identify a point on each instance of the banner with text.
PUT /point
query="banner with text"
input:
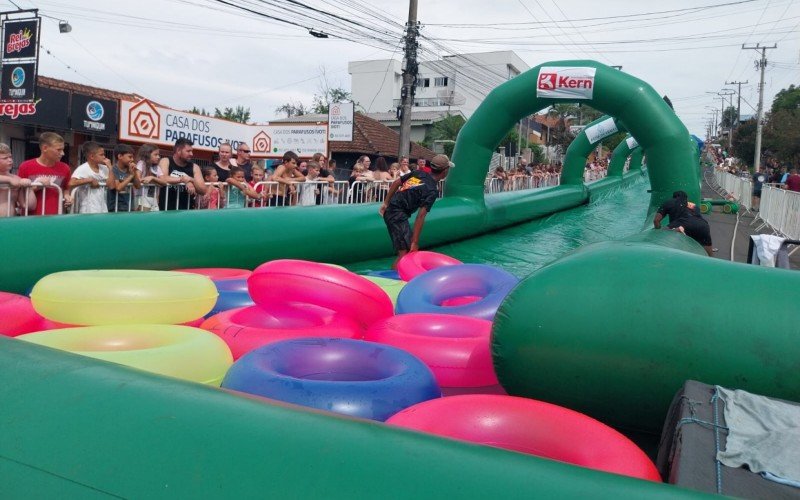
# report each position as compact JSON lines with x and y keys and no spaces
{"x":145,"y":121}
{"x":340,"y":121}
{"x":600,"y":131}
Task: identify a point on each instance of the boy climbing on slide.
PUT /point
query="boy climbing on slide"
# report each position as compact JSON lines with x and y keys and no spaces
{"x":414,"y":191}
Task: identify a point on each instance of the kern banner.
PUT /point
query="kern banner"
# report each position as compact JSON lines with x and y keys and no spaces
{"x":21,"y":39}
{"x":145,"y":121}
{"x":600,"y":131}
{"x":340,"y":121}
{"x":561,"y":82}
{"x":632,"y":144}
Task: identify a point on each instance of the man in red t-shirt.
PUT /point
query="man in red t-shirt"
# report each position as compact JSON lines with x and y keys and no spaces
{"x":793,"y":181}
{"x":48,"y":170}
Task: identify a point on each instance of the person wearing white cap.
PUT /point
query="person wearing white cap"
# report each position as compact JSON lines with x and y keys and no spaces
{"x":414,"y":191}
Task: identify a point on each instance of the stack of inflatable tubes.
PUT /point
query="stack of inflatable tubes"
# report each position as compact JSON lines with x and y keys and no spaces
{"x":294,"y":299}
{"x":351,"y":377}
{"x":533,"y":427}
{"x":413,"y":264}
{"x":443,"y":291}
{"x":339,"y":290}
{"x":132,"y":315}
{"x":455,"y":348}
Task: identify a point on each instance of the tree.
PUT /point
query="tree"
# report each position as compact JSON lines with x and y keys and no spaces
{"x":537,"y":153}
{"x":729,"y":117}
{"x":445,"y":129}
{"x":782,"y":135}
{"x":292,"y":109}
{"x":239,"y":114}
{"x":787,"y":99}
{"x":322,"y":102}
{"x":744,"y":141}
{"x":564,"y":115}
{"x":197,"y":111}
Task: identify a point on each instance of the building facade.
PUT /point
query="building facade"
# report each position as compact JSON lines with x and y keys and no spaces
{"x":455,"y":84}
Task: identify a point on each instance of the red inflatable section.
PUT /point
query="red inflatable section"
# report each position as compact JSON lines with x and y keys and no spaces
{"x":455,"y":348}
{"x":413,"y":264}
{"x":532,"y":427}
{"x":248,"y":328}
{"x":218,"y":273}
{"x":299,"y":281}
{"x":17,"y":315}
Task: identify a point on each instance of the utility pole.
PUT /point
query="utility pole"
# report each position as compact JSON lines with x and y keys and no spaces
{"x":409,"y":80}
{"x":762,"y":64}
{"x":738,"y":103}
{"x":723,"y":95}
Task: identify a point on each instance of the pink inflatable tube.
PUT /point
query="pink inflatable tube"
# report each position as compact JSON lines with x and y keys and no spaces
{"x":17,"y":315}
{"x":282,"y":281}
{"x":248,"y":328}
{"x":218,"y":273}
{"x":532,"y":427}
{"x":455,"y":348}
{"x":415,"y":263}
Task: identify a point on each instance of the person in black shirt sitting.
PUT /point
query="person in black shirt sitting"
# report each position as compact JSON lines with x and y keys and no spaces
{"x":414,"y":191}
{"x":685,"y":217}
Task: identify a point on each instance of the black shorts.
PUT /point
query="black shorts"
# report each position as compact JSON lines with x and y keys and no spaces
{"x":757,"y":193}
{"x":399,"y":229}
{"x":698,"y":230}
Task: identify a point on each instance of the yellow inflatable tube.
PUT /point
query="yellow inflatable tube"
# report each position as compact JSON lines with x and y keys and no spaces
{"x":114,"y":297}
{"x":176,"y":351}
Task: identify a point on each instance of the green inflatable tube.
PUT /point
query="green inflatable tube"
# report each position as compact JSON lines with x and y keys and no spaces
{"x":556,"y":337}
{"x":76,"y":427}
{"x":621,"y":153}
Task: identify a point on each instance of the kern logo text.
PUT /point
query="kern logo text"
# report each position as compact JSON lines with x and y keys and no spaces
{"x":557,"y":82}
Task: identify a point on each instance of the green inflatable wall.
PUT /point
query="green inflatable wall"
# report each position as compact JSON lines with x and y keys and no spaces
{"x":558,"y":338}
{"x":76,"y":427}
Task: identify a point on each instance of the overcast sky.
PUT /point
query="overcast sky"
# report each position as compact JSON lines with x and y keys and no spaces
{"x":185,"y":53}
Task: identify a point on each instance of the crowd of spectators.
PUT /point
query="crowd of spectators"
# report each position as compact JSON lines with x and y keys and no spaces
{"x":523,"y":176}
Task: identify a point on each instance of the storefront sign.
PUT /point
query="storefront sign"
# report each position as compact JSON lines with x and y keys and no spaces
{"x":18,"y":81}
{"x":145,"y":121}
{"x":92,"y":115}
{"x":340,"y":121}
{"x":50,"y":110}
{"x":20,"y":60}
{"x":21,"y":39}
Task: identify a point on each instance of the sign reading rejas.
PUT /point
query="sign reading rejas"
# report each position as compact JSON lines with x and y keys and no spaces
{"x":145,"y":121}
{"x":563,"y":82}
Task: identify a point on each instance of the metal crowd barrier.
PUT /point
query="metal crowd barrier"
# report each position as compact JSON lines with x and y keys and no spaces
{"x":80,"y":192}
{"x":740,"y":188}
{"x":15,"y":207}
{"x":780,"y":211}
{"x":590,"y":176}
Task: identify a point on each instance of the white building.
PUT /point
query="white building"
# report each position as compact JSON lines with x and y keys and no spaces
{"x":453,"y":83}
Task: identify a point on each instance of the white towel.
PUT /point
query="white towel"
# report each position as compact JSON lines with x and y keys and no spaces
{"x":767,"y":247}
{"x":763,"y":434}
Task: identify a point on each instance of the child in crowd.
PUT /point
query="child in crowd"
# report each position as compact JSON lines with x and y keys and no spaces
{"x":13,"y":193}
{"x":259,"y":176}
{"x":150,"y":176}
{"x":214,"y":197}
{"x":286,"y":175}
{"x":239,"y":190}
{"x":417,"y":190}
{"x":310,"y":192}
{"x":48,"y":170}
{"x":91,"y":178}
{"x":123,"y":176}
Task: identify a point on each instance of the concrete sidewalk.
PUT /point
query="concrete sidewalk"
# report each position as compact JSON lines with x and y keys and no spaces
{"x":727,"y":234}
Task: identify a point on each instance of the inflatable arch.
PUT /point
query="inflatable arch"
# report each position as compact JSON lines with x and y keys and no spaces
{"x":622,"y":152}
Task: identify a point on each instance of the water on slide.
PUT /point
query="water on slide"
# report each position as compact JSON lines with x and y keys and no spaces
{"x":524,"y":248}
